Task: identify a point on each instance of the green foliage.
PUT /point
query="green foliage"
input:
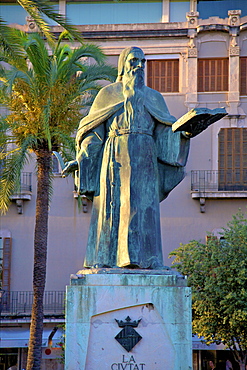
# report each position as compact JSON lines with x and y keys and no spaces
{"x":38,"y":8}
{"x":45,"y":98}
{"x":217,"y":273}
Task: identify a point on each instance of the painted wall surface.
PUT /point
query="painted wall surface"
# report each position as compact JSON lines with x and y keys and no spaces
{"x":220,"y":8}
{"x":13,"y":14}
{"x":68,"y":230}
{"x":178,"y":10}
{"x":115,"y":13}
{"x":96,"y":12}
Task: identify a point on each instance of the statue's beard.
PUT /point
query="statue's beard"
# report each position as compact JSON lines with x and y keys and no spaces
{"x":133,"y":82}
{"x":134,"y":78}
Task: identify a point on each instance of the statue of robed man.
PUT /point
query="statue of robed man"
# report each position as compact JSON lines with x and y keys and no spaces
{"x":128,"y":160}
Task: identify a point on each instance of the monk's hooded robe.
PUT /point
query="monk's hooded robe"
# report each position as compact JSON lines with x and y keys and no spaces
{"x":127,"y":169}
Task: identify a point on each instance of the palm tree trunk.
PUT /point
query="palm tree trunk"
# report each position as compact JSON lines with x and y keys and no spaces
{"x":40,"y":253}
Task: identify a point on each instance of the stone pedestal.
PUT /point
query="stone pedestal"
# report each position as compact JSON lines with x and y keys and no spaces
{"x":119,"y":319}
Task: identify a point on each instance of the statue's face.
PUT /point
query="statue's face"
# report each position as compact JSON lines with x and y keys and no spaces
{"x":135,"y":62}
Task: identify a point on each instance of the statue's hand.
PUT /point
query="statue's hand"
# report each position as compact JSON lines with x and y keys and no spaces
{"x":69,"y":167}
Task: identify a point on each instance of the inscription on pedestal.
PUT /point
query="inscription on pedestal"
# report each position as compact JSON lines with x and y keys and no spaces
{"x":128,"y":364}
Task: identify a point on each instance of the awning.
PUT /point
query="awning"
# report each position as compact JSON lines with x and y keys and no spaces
{"x":198,"y":344}
{"x":12,"y":337}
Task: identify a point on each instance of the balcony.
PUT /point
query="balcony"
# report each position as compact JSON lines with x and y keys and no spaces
{"x":210,"y":184}
{"x":18,"y":304}
{"x":24,"y":191}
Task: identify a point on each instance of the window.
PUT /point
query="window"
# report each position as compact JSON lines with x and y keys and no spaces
{"x":243,"y":76}
{"x":163,"y":75}
{"x":233,"y":159}
{"x":2,"y":151}
{"x":212,"y":75}
{"x":5,"y":261}
{"x":55,"y":165}
{"x":1,"y":261}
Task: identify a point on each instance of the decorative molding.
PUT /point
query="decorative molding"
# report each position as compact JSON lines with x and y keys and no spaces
{"x":213,"y":27}
{"x":234,"y":17}
{"x":31,"y":25}
{"x":192,"y":53}
{"x":234,"y":51}
{"x":19,"y":200}
{"x":202,"y":205}
{"x":19,"y":205}
{"x":192,"y":18}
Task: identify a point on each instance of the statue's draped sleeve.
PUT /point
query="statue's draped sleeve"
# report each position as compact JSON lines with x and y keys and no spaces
{"x":172,"y":148}
{"x":89,"y":157}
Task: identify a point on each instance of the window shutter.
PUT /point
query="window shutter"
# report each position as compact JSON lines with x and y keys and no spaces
{"x":243,"y":76}
{"x":212,"y":75}
{"x":233,"y":159}
{"x":7,"y":246}
{"x":163,"y":75}
{"x":200,"y":73}
{"x":225,"y":74}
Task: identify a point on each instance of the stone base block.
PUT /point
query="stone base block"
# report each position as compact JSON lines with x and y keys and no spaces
{"x":128,"y":321}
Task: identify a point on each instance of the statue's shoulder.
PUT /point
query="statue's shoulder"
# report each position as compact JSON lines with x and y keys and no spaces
{"x":112,"y":91}
{"x":154,"y":98}
{"x":109,"y":95}
{"x":153,"y":93}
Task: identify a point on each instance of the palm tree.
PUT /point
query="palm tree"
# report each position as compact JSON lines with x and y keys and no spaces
{"x":45,"y":97}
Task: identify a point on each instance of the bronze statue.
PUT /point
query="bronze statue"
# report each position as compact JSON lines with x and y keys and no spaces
{"x":128,"y":160}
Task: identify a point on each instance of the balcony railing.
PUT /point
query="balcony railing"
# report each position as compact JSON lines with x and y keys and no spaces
{"x":20,"y":303}
{"x":25,"y":182}
{"x":214,"y":181}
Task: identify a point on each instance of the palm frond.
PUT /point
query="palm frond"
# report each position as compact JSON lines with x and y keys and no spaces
{"x":13,"y":74}
{"x":11,"y":49}
{"x":38,"y":55}
{"x":68,"y":149}
{"x":98,"y":72}
{"x":63,"y":35}
{"x":11,"y":171}
{"x":36,"y":8}
{"x":53,"y":76}
{"x":3,"y":142}
{"x":91,"y":87}
{"x":69,"y":60}
{"x":33,"y":10}
{"x":89,"y":51}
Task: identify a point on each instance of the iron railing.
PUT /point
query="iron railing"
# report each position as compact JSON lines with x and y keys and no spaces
{"x":222,"y":180}
{"x":19,"y":303}
{"x":25,"y":182}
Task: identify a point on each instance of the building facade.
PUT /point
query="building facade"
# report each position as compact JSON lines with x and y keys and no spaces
{"x":196,"y":55}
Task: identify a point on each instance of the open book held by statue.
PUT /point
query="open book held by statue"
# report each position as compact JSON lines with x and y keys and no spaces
{"x":130,"y":154}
